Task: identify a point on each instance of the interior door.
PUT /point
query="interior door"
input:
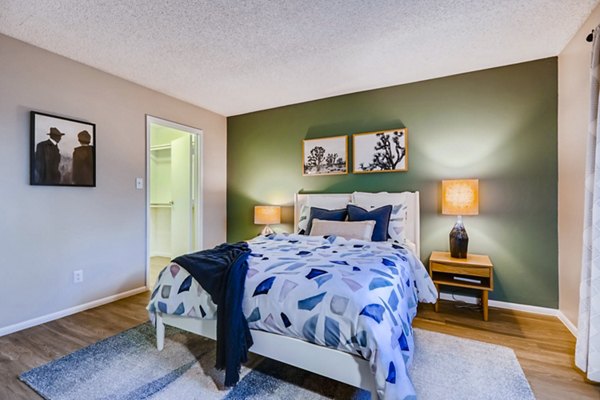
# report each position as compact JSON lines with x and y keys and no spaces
{"x":181,"y":192}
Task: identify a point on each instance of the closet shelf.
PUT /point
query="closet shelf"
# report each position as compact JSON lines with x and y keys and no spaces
{"x":160,"y":147}
{"x":161,"y":205}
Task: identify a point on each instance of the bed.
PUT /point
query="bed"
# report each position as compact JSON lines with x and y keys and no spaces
{"x":341,"y":302}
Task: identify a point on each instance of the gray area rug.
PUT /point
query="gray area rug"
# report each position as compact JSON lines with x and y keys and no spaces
{"x":128,"y":366}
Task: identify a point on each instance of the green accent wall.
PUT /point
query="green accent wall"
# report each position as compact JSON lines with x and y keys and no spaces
{"x":498,"y":125}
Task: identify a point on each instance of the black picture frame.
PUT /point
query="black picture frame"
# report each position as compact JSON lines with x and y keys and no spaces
{"x":59,"y":154}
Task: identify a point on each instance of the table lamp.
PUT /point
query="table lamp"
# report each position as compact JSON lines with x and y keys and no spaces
{"x":266,"y":215}
{"x":460,"y":197}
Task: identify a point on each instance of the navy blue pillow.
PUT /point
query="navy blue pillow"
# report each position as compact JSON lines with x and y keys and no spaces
{"x":380,"y":215}
{"x":325,"y":215}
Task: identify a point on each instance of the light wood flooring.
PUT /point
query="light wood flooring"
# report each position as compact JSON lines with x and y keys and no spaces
{"x":543,"y":345}
{"x":156,"y":265}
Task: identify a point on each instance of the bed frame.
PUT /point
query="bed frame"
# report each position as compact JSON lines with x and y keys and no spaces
{"x":334,"y":364}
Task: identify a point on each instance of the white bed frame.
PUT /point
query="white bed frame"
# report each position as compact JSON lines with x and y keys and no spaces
{"x":334,"y":201}
{"x":334,"y":364}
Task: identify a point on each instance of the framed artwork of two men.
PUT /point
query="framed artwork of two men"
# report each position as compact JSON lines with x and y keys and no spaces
{"x":62,"y":151}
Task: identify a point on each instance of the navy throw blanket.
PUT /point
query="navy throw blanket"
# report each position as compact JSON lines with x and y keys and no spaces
{"x":222,"y":273}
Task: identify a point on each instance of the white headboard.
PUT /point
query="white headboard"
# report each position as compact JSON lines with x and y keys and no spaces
{"x":335,"y":201}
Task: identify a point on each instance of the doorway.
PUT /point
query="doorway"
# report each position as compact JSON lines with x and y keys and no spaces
{"x":173,"y":193}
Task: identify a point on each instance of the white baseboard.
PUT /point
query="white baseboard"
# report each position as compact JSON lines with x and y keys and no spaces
{"x":524,"y":307}
{"x":445,"y":296}
{"x":567,"y":322}
{"x":515,"y":306}
{"x":69,"y":311}
{"x":160,"y":254}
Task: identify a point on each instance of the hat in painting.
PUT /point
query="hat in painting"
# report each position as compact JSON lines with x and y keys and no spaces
{"x":55,"y":132}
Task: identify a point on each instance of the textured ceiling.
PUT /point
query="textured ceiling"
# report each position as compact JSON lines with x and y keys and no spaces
{"x":234,"y":57}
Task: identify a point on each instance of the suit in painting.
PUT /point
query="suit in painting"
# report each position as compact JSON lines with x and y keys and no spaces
{"x":47,"y":159}
{"x":83,"y":165}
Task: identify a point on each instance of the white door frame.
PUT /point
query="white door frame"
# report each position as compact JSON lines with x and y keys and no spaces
{"x":198,"y":198}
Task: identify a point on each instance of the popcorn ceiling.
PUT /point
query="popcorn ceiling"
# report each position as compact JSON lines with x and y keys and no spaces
{"x":236,"y":56}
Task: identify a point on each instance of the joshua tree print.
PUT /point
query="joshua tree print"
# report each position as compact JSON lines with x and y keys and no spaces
{"x":316,"y":157}
{"x":389,"y":151}
{"x":322,"y":156}
{"x":331,"y":159}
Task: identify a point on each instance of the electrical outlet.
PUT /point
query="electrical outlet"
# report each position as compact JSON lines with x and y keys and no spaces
{"x":78,"y":276}
{"x":139,"y":183}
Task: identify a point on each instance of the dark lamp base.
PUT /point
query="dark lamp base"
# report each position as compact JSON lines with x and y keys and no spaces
{"x":459,"y":241}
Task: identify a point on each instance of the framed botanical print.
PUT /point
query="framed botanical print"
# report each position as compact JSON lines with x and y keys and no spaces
{"x":325,"y":156}
{"x":380,"y":151}
{"x":62,"y":151}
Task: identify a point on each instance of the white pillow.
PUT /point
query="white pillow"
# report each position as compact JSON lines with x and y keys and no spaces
{"x":410,"y":245}
{"x":362,"y":230}
{"x":303,"y":218}
{"x":326,"y":201}
{"x":399,"y":215}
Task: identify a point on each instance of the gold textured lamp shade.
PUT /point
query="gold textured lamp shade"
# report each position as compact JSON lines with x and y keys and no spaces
{"x":266,"y":215}
{"x":460,"y":197}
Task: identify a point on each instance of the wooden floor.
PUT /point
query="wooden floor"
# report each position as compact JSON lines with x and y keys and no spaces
{"x":36,"y":346}
{"x":156,"y":265}
{"x":543,"y":345}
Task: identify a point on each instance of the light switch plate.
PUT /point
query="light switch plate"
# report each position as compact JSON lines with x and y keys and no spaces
{"x":139,"y":183}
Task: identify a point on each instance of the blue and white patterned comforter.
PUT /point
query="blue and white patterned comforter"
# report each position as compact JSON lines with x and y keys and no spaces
{"x":355,"y":296}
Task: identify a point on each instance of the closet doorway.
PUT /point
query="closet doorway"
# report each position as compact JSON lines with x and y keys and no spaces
{"x":173,"y":193}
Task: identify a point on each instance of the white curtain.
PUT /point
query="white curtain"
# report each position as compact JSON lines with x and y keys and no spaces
{"x":587,"y":351}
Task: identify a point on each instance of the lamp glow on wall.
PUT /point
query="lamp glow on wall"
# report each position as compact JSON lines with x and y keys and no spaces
{"x":267,"y":215}
{"x":460,"y":197}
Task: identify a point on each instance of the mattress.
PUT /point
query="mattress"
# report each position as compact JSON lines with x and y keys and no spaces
{"x":355,"y":296}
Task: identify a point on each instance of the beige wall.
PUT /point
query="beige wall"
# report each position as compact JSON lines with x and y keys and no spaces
{"x":573,"y":116}
{"x":47,"y":232}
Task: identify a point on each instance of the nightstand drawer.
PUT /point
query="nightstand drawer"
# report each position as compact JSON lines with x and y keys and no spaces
{"x":461,"y":270}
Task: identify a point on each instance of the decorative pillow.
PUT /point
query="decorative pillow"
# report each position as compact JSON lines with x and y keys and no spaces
{"x":381,"y":216}
{"x":398,"y":218}
{"x":303,"y":219}
{"x":362,"y":230}
{"x":326,"y":201}
{"x":325,"y":215}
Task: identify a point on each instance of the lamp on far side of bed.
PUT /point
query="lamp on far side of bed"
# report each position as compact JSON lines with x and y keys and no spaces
{"x":460,"y":197}
{"x":267,"y":215}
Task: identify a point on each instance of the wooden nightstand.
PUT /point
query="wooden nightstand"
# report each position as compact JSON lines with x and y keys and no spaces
{"x":474,"y":272}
